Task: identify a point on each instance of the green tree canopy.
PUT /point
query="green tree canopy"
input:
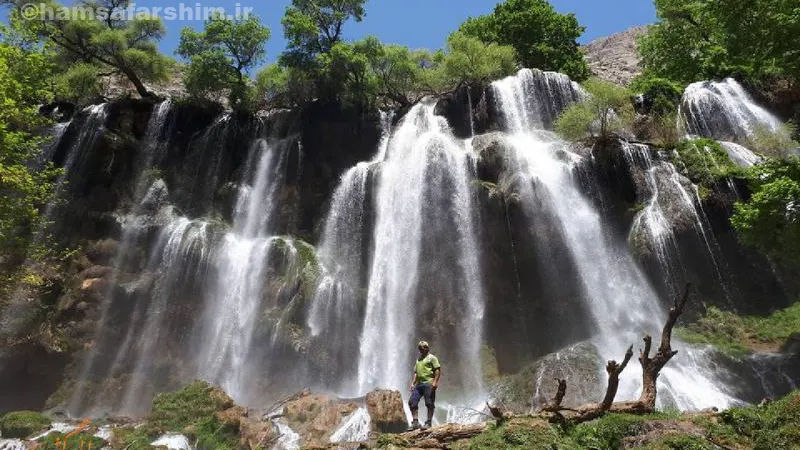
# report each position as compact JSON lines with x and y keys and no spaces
{"x":542,"y":37}
{"x":222,"y":55}
{"x":26,"y":76}
{"x":770,"y":220}
{"x":313,"y":27}
{"x":698,"y":39}
{"x":607,"y":110}
{"x":112,"y":45}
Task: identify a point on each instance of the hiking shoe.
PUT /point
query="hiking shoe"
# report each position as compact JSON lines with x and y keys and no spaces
{"x":427,"y":425}
{"x":414,"y":426}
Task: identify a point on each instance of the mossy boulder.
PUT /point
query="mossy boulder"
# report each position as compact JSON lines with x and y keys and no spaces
{"x":178,"y":410}
{"x":21,"y":424}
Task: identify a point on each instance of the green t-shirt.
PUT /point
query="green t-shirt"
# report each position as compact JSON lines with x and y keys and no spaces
{"x":425,"y":367}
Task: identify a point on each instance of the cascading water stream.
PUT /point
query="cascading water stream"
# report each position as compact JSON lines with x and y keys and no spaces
{"x":724,"y":110}
{"x":235,"y":295}
{"x":423,"y":190}
{"x":621,"y":301}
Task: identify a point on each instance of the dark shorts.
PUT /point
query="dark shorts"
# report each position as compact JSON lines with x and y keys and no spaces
{"x":422,"y":390}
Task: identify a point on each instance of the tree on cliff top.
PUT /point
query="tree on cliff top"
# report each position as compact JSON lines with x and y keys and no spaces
{"x":542,"y":37}
{"x":697,"y":39}
{"x":109,"y":43}
{"x":221,"y":56}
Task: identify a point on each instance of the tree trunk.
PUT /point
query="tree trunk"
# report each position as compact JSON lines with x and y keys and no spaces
{"x":137,"y":82}
{"x":651,"y":367}
{"x":614,"y":370}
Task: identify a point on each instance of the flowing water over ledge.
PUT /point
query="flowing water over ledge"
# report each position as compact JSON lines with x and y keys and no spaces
{"x":402,"y":256}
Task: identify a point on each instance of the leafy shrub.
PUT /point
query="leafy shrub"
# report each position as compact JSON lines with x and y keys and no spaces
{"x":608,"y":110}
{"x":704,"y":161}
{"x":661,"y":94}
{"x":21,"y":424}
{"x":770,"y":220}
{"x":773,"y":143}
{"x":770,"y":426}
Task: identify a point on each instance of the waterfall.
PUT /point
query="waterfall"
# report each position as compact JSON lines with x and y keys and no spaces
{"x":723,"y":110}
{"x":232,"y":303}
{"x":739,"y":155}
{"x":621,"y":301}
{"x":336,"y":311}
{"x":425,"y":265}
{"x":356,"y":428}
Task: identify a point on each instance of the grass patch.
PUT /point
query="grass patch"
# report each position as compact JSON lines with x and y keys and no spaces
{"x":679,"y":442}
{"x":772,"y":426}
{"x":608,"y":431}
{"x":21,"y":424}
{"x":522,"y":434}
{"x":740,"y":335}
{"x":192,"y":411}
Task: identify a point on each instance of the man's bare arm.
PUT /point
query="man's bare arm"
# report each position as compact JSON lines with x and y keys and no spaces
{"x":414,"y":380}
{"x":436,"y":374}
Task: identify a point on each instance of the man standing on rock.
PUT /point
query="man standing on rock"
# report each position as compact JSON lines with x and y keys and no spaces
{"x":427,"y":371}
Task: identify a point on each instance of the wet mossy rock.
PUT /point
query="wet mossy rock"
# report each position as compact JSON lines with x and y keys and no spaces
{"x":21,"y":424}
{"x":386,"y":411}
{"x":178,"y":410}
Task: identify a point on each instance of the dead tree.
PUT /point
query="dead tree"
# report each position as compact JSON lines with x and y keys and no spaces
{"x":651,"y":367}
{"x":614,"y":370}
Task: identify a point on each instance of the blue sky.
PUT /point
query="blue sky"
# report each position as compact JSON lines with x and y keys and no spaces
{"x":426,"y":23}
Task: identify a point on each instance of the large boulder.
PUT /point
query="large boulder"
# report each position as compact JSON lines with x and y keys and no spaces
{"x":386,"y":411}
{"x":315,"y":417}
{"x":534,"y":385}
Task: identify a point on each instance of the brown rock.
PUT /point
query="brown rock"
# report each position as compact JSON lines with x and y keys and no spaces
{"x":102,"y":251}
{"x":315,"y":417}
{"x":96,"y":271}
{"x":256,"y":434}
{"x":386,"y":411}
{"x":616,"y":58}
{"x":232,"y":417}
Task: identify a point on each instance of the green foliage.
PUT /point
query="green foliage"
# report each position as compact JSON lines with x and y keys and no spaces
{"x":521,"y":434}
{"x":607,"y":111}
{"x":676,"y":441}
{"x":541,"y":36}
{"x":736,"y":335}
{"x":771,"y":426}
{"x":25,"y":75}
{"x":21,"y":424}
{"x":131,"y":439}
{"x":662,"y":94}
{"x":116,"y":46}
{"x":469,"y":60}
{"x":221,"y":55}
{"x":697,"y":39}
{"x":177,"y":410}
{"x":770,"y":220}
{"x":608,"y":431}
{"x":772,"y":143}
{"x":704,"y":161}
{"x":61,"y":441}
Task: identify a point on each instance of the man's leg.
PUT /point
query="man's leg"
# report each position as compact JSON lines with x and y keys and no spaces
{"x":430,"y":400}
{"x":413,"y":405}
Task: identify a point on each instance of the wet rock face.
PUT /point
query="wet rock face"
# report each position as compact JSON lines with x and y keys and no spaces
{"x":534,"y":385}
{"x":386,"y":411}
{"x":315,"y":417}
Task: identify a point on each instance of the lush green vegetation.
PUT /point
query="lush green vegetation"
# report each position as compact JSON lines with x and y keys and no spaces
{"x":770,"y":220}
{"x":541,"y":36}
{"x":704,"y":161}
{"x":21,"y":424}
{"x":740,"y":335}
{"x":608,"y":111}
{"x":221,"y":56}
{"x":522,"y":434}
{"x":88,"y":48}
{"x":26,"y":184}
{"x":773,"y":143}
{"x":697,"y":40}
